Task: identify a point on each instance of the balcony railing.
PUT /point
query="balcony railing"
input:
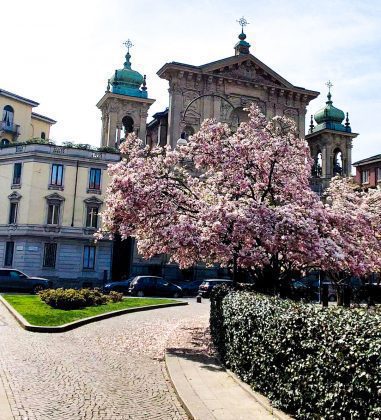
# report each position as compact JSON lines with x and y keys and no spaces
{"x":10,"y":128}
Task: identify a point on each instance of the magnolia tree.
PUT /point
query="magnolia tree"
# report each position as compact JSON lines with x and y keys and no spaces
{"x":241,"y":200}
{"x":354,"y":230}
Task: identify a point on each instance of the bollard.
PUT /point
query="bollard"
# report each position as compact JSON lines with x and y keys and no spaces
{"x":346,"y":296}
{"x":324,"y":295}
{"x":198,"y":298}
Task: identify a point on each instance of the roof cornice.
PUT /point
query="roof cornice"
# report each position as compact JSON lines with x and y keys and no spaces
{"x":18,"y":98}
{"x":43,"y":118}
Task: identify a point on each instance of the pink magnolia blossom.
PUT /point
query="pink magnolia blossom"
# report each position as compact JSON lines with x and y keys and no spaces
{"x":240,"y":200}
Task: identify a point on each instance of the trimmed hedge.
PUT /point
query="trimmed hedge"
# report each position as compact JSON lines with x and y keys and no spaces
{"x":75,"y":299}
{"x":311,"y":362}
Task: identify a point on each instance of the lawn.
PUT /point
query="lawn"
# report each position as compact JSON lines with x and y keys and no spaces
{"x":37,"y":312}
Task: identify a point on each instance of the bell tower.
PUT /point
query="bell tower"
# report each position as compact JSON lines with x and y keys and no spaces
{"x":124,"y":105}
{"x":330,"y":143}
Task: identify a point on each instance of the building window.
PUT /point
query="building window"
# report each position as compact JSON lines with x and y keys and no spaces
{"x":14,"y":200}
{"x":92,"y":216}
{"x":379,"y":174}
{"x":89,"y":257}
{"x":13,"y":213}
{"x":54,"y":208}
{"x":43,"y":135}
{"x":4,"y":142}
{"x":53,"y":214}
{"x":95,"y":179}
{"x":56,"y":176}
{"x":364,"y":177}
{"x":17,"y":168}
{"x":9,"y":248}
{"x":50,"y":252}
{"x":8,"y":115}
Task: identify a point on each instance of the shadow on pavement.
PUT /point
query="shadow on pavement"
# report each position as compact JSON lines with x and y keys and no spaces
{"x":200,"y":349}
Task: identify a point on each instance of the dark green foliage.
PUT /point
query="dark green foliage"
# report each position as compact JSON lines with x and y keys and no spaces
{"x":63,"y":298}
{"x":75,"y":299}
{"x":115,"y":297}
{"x":93,"y":297}
{"x":311,"y":362}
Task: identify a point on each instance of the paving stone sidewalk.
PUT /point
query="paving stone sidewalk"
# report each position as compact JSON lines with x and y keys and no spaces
{"x":208,"y":391}
{"x":111,"y":370}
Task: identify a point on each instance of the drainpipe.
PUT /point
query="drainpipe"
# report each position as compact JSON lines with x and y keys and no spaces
{"x":75,"y":193}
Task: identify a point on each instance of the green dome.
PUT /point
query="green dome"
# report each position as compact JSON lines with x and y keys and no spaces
{"x":126,"y":81}
{"x":329,"y":113}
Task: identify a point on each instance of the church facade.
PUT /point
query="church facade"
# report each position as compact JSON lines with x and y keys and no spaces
{"x":222,"y":90}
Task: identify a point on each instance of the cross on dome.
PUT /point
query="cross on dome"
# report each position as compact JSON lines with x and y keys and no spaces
{"x":128,"y":44}
{"x":329,"y":84}
{"x":243,"y":22}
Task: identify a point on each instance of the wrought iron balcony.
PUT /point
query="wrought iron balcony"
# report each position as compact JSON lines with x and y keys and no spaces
{"x":10,"y":128}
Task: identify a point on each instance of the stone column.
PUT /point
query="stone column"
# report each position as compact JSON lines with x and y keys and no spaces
{"x":349,"y":157}
{"x":302,"y":122}
{"x":324,"y":159}
{"x":216,"y":108}
{"x":104,"y":130}
{"x":112,"y":129}
{"x":143,"y":125}
{"x":174,"y":117}
{"x":118,"y":128}
{"x":208,"y":107}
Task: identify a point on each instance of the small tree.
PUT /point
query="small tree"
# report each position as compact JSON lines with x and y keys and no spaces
{"x":354,"y":230}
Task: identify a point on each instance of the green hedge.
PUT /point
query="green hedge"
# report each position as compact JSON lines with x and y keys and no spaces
{"x":310,"y":362}
{"x":75,"y":299}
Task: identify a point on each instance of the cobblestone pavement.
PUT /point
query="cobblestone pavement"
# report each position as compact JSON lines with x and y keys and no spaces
{"x":111,"y":370}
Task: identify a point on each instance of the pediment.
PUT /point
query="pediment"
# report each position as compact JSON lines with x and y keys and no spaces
{"x":54,"y":197}
{"x":14,"y":196}
{"x":93,"y":200}
{"x":246,"y":68}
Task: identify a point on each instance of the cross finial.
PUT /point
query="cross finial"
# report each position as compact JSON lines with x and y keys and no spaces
{"x":243,"y":22}
{"x":128,"y":44}
{"x":329,"y":84}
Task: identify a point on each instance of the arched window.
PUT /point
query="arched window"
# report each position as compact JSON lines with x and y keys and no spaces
{"x":337,"y":162}
{"x":4,"y":142}
{"x":317,"y":168}
{"x":43,"y":135}
{"x":128,"y":124}
{"x":8,"y":115}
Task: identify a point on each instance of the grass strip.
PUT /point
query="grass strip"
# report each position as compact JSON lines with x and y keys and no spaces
{"x":37,"y":312}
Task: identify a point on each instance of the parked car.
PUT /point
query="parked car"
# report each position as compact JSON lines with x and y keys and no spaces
{"x":12,"y":280}
{"x":207,"y":286}
{"x":311,"y":281}
{"x":122,"y":286}
{"x":190,"y":288}
{"x":153,"y":286}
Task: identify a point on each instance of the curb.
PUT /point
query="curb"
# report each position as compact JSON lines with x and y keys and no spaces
{"x":181,"y":401}
{"x":5,"y":407}
{"x":75,"y":324}
{"x":260,"y":399}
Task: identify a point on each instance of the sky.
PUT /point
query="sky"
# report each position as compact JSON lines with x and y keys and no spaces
{"x":61,"y":54}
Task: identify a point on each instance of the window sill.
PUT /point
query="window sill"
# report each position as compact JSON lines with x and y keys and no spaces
{"x":52,"y":228}
{"x":15,"y":186}
{"x":89,"y":230}
{"x":91,"y":270}
{"x":55,"y":187}
{"x":93,"y":191}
